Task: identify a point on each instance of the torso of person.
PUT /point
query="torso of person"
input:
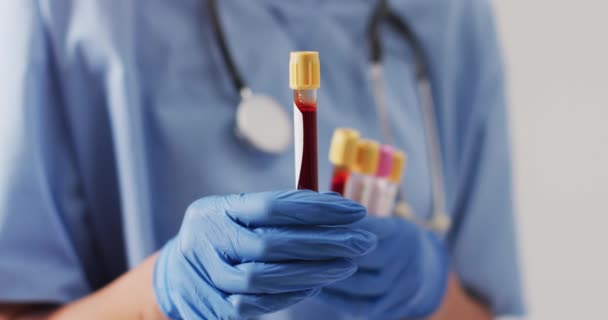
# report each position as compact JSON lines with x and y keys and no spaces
{"x":160,"y":61}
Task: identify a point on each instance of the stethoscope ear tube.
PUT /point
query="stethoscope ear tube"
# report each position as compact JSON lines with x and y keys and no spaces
{"x":379,"y":14}
{"x":254,"y":111}
{"x":220,"y":37}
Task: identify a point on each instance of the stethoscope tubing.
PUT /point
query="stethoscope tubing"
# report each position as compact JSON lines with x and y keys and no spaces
{"x":220,"y":37}
{"x":439,"y":221}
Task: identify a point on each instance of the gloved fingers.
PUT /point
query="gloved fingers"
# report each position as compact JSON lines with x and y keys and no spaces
{"x":306,"y":243}
{"x":238,"y":244}
{"x":202,"y":307}
{"x":382,"y":227}
{"x":406,"y":298}
{"x":370,"y":283}
{"x":353,"y":305}
{"x":254,"y":305}
{"x":332,"y":193}
{"x":414,"y":292}
{"x":400,"y":246}
{"x":426,"y":280}
{"x":270,"y":278}
{"x":292,"y":207}
{"x":423,"y":301}
{"x":388,"y":253}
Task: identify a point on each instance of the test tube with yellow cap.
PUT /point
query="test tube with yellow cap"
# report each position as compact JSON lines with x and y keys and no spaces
{"x":358,"y":186}
{"x":394,"y":180}
{"x":342,"y":154}
{"x":305,"y":79}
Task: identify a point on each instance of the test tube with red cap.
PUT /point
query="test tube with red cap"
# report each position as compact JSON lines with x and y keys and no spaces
{"x":342,"y":154}
{"x":380,"y":184}
{"x":305,"y":79}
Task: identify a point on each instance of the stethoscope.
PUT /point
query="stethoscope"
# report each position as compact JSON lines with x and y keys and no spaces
{"x":255,"y":111}
{"x":439,"y":221}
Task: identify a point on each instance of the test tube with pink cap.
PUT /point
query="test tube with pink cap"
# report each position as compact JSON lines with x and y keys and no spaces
{"x":380,"y":183}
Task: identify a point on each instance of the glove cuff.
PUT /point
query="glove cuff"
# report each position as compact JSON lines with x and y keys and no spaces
{"x":162,"y":291}
{"x":435,"y":269}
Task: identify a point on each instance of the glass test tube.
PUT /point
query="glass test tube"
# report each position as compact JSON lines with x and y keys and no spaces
{"x":394,"y":180}
{"x":380,"y":184}
{"x":365,"y":165}
{"x":304,"y":79}
{"x":342,"y":154}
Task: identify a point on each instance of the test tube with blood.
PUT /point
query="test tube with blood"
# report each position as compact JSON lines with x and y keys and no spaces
{"x":342,"y":154}
{"x":304,"y":79}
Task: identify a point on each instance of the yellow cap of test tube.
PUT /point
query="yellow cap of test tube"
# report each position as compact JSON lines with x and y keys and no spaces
{"x":343,"y":147}
{"x":399,"y":159}
{"x":304,"y":70}
{"x":367,"y":158}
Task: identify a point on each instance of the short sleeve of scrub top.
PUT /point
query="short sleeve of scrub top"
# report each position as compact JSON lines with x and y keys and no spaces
{"x":58,"y":240}
{"x":38,"y":261}
{"x":73,"y":65}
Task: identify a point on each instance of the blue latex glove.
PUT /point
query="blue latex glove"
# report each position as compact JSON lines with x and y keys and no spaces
{"x":245,"y":255}
{"x":404,"y":277}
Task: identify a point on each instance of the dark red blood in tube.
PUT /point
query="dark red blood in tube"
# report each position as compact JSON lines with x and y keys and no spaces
{"x":308,"y":172}
{"x":338,"y":180}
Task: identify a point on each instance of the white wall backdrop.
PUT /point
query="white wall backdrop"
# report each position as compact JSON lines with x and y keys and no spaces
{"x":557,"y":56}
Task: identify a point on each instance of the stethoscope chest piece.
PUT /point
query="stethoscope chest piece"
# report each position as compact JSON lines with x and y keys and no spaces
{"x":262,"y":123}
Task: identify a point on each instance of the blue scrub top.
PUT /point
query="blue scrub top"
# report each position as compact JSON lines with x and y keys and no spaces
{"x":124,"y":114}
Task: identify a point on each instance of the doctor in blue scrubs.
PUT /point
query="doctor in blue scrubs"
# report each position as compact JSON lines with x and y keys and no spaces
{"x":127,"y":195}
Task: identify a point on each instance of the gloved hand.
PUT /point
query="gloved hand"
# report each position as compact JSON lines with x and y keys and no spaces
{"x":404,"y":277}
{"x":245,"y":255}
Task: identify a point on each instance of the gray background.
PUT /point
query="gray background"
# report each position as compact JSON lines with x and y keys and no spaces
{"x":557,"y":56}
